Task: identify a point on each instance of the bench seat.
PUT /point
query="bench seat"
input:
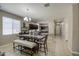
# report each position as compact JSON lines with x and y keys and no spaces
{"x":25,"y":43}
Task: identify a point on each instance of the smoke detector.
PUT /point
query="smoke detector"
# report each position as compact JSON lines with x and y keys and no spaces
{"x":46,"y":5}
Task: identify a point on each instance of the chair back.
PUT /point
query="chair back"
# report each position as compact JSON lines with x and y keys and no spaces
{"x":46,"y":37}
{"x":44,"y":41}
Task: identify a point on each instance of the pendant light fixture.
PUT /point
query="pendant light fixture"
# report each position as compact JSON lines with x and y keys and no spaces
{"x":28,"y":19}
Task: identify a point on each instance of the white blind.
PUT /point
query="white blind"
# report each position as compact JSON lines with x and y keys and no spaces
{"x":7,"y":26}
{"x":10,"y":26}
{"x":16,"y":26}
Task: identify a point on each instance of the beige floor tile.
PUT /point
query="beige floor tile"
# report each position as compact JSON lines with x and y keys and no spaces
{"x":57,"y":46}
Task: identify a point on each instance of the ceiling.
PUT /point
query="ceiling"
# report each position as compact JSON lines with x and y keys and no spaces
{"x":36,"y":10}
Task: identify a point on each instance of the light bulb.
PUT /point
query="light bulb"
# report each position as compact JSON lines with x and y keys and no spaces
{"x":25,"y":19}
{"x":30,"y":19}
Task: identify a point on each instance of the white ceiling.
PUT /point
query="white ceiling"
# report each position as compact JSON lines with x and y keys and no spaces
{"x":36,"y":10}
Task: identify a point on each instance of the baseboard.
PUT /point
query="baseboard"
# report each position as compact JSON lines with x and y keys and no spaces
{"x":70,"y":50}
{"x":74,"y":53}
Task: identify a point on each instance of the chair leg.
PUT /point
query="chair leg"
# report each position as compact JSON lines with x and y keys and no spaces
{"x":37,"y":48}
{"x":31,"y":52}
{"x":46,"y":47}
{"x":45,"y":50}
{"x":21,"y":49}
{"x":13,"y":45}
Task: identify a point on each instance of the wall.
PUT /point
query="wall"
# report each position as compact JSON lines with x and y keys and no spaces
{"x":68,"y":22}
{"x":75,"y":41}
{"x":7,"y":38}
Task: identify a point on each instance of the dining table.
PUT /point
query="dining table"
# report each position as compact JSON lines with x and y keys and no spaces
{"x":34,"y":37}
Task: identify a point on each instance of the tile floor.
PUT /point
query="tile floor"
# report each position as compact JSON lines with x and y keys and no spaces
{"x":57,"y":46}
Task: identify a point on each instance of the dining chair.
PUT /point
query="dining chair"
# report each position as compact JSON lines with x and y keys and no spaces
{"x":43,"y":44}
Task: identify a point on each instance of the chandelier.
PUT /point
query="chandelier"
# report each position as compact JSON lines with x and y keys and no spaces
{"x":28,"y":19}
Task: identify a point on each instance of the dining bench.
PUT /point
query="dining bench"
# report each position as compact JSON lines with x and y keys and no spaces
{"x":32,"y":46}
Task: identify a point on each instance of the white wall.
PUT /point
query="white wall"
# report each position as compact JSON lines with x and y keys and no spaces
{"x":68,"y":20}
{"x":75,"y":41}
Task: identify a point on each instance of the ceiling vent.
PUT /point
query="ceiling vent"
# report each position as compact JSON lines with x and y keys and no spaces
{"x":46,"y":5}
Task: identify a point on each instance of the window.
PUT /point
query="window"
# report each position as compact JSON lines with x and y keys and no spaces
{"x":10,"y":26}
{"x":7,"y":26}
{"x":16,"y":26}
